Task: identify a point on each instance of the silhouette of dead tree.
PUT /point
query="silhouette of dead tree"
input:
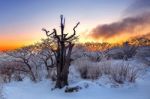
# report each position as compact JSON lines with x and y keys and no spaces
{"x":64,"y":45}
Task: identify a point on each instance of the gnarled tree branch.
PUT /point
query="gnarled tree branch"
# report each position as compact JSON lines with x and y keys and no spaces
{"x":74,"y":31}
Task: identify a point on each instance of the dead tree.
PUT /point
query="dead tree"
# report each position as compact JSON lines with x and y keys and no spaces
{"x":64,"y":43}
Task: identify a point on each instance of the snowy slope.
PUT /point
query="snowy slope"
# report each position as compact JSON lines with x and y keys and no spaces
{"x":42,"y":90}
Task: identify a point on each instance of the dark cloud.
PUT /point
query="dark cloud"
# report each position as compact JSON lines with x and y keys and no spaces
{"x":128,"y":25}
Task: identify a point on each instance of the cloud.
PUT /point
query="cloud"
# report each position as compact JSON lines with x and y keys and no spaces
{"x":131,"y":25}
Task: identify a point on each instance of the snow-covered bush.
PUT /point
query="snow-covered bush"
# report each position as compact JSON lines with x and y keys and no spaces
{"x":143,"y":54}
{"x":123,"y":73}
{"x":125,"y":52}
{"x":119,"y":73}
{"x":87,"y":69}
{"x":129,"y":50}
{"x":94,"y":56}
{"x":115,"y":53}
{"x":104,"y":67}
{"x":12,"y":71}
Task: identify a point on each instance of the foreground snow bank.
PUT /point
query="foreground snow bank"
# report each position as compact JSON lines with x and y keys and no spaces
{"x":42,"y":90}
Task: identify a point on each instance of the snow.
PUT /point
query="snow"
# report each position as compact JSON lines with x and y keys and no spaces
{"x":42,"y":90}
{"x":102,"y":88}
{"x":4,"y":57}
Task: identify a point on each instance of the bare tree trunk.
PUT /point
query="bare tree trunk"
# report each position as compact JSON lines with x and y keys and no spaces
{"x":63,"y":53}
{"x":31,"y":72}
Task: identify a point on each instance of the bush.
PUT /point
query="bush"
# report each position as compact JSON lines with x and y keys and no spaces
{"x":122,"y":73}
{"x":129,"y":50}
{"x":117,"y":55}
{"x":87,"y":69}
{"x":143,"y":55}
{"x":12,"y":71}
{"x":119,"y":73}
{"x":125,"y":52}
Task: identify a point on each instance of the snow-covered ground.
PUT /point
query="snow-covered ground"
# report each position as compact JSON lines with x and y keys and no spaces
{"x":102,"y":88}
{"x":42,"y":90}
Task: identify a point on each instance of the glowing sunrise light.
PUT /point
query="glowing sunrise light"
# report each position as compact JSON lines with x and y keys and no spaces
{"x":21,"y":21}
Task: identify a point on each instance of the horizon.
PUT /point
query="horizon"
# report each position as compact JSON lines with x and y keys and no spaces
{"x":113,"y":22}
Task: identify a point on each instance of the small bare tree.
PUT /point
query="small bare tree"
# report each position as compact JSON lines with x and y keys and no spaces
{"x":11,"y":70}
{"x":63,"y":50}
{"x":24,"y":55}
{"x":46,"y":54}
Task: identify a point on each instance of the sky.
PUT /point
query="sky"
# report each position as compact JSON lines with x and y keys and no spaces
{"x":21,"y":21}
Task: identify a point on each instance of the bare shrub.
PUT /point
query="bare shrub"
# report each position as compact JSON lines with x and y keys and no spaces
{"x":12,"y":71}
{"x":143,"y":55}
{"x":88,"y":69}
{"x":95,"y":56}
{"x":122,"y":73}
{"x":82,"y":67}
{"x":125,"y":52}
{"x":117,"y":55}
{"x":104,"y":67}
{"x":119,"y":73}
{"x":93,"y":72}
{"x":129,"y":50}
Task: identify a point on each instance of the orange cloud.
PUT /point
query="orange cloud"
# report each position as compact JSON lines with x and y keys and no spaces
{"x":122,"y":30}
